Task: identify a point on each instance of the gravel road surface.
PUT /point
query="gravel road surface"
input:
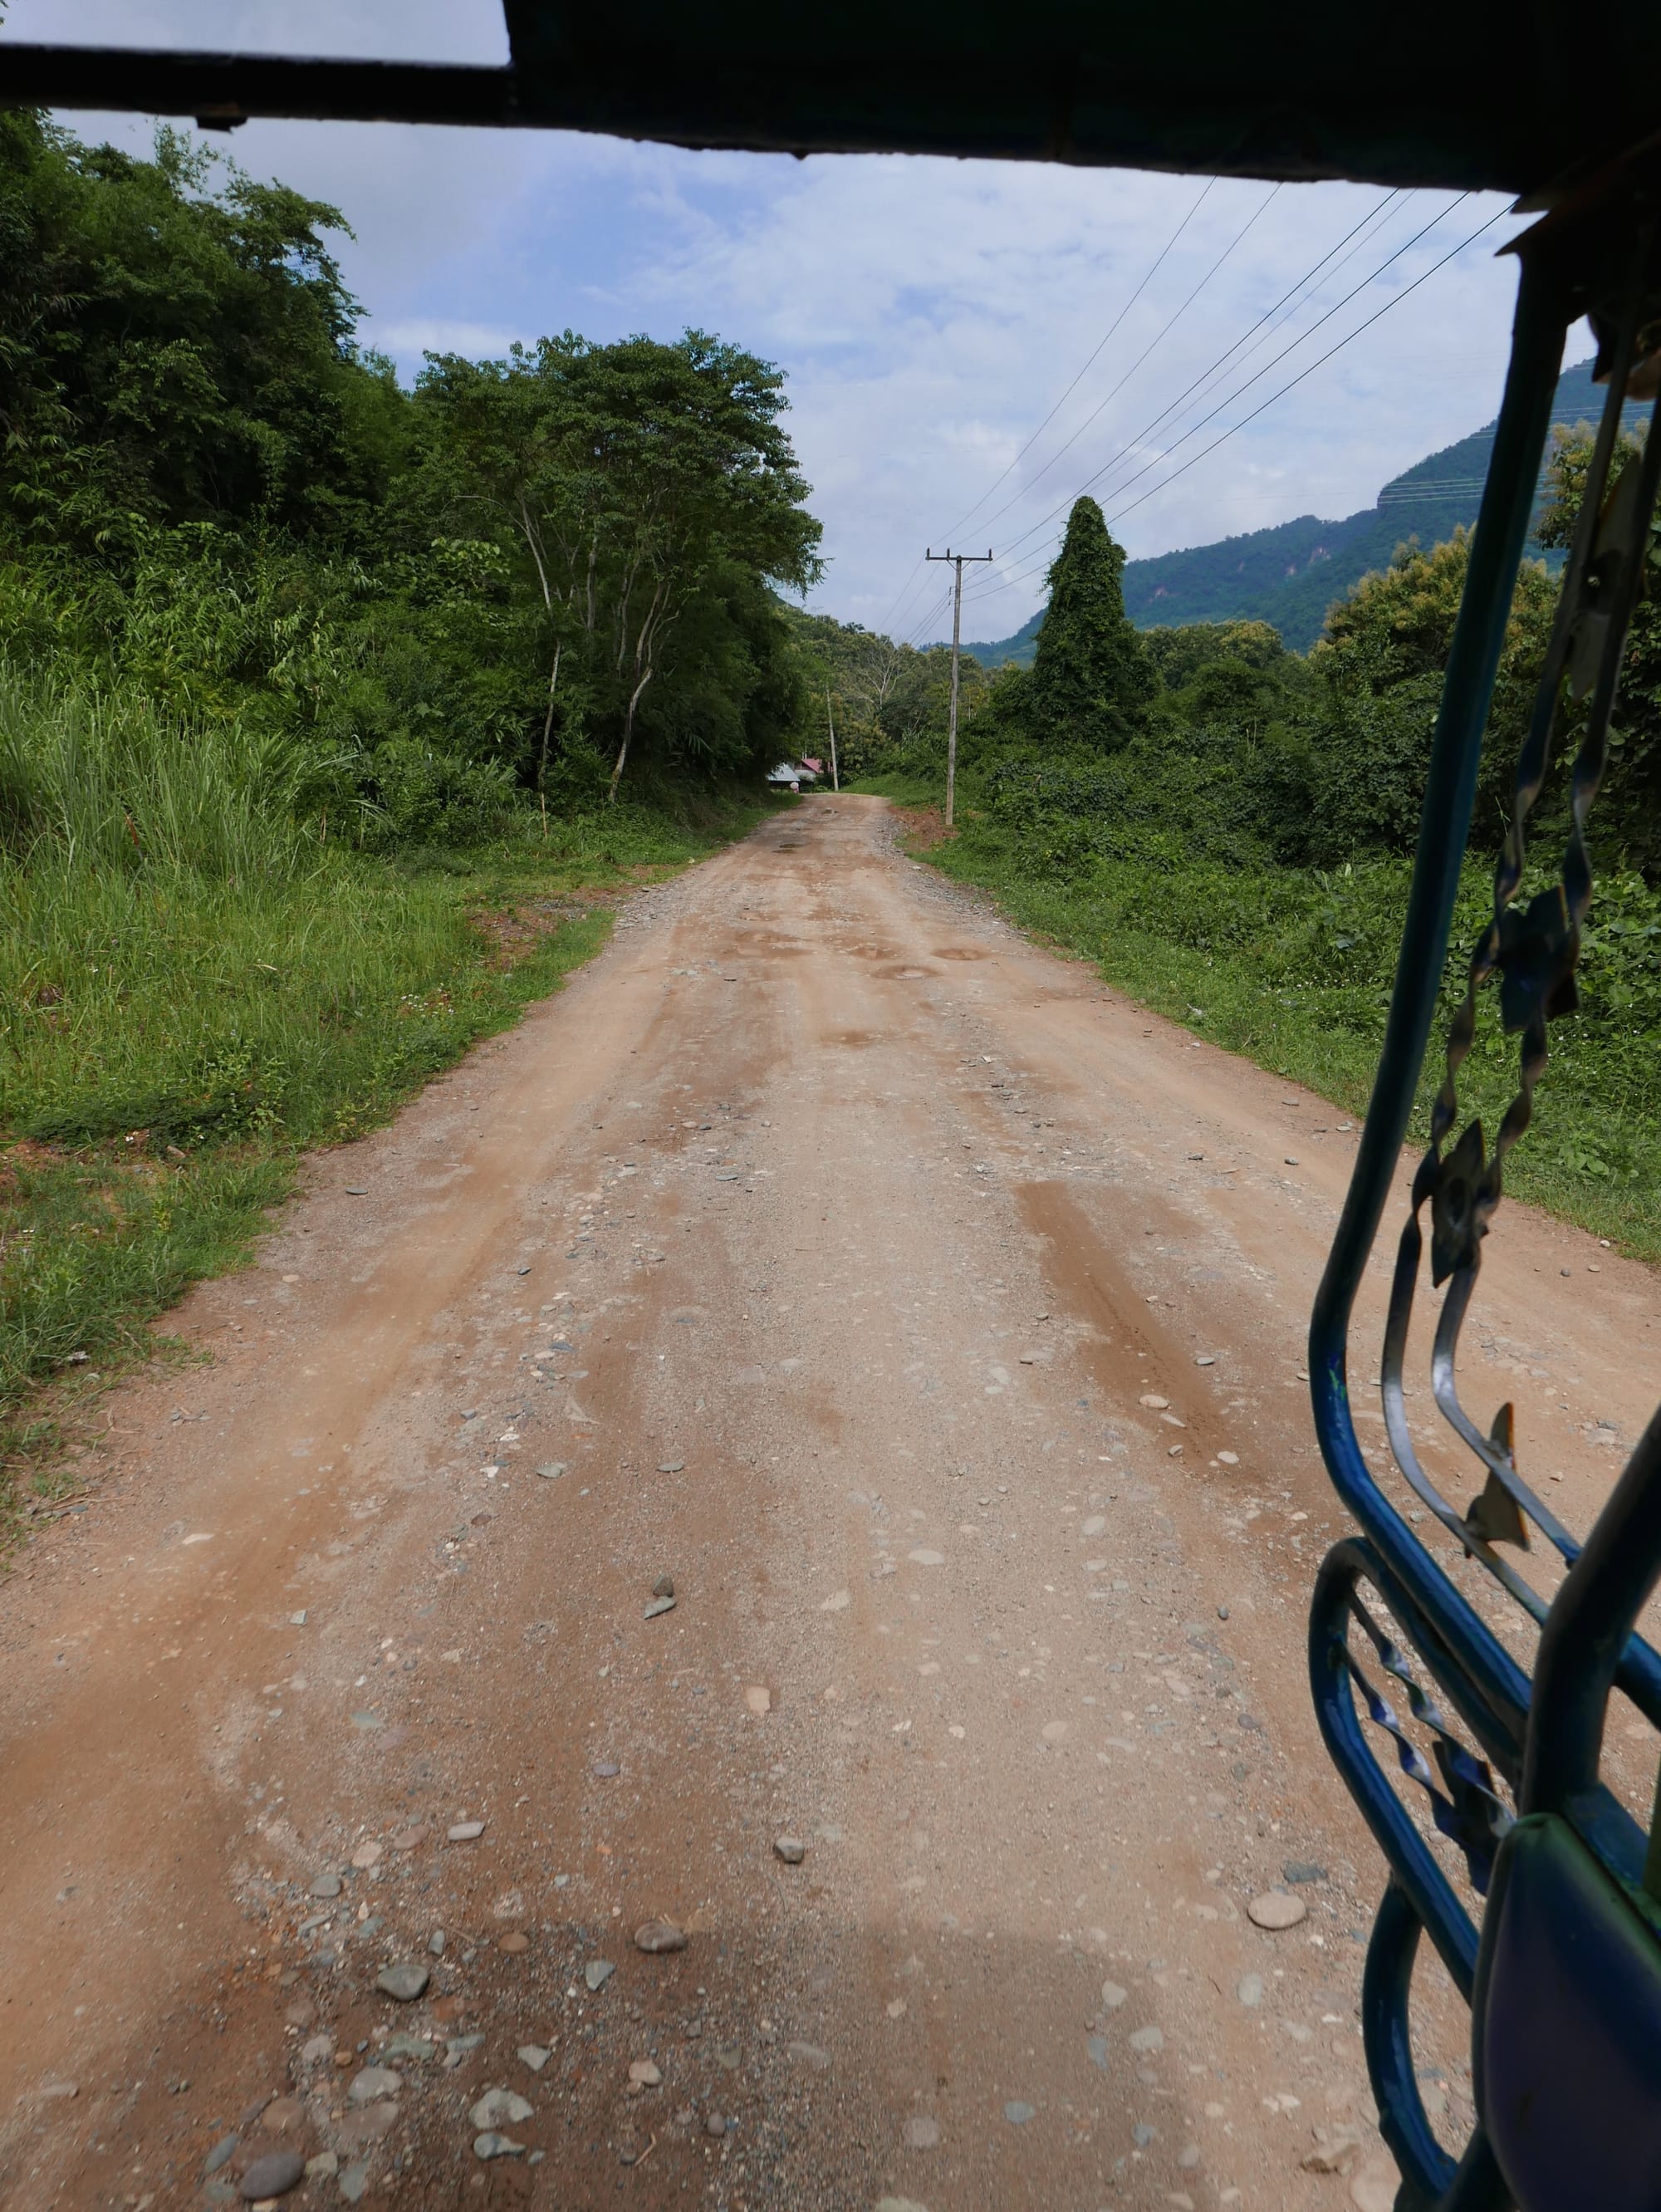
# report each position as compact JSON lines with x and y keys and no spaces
{"x":927,"y":1323}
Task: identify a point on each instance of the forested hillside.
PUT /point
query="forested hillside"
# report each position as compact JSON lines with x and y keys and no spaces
{"x":1290,"y":574}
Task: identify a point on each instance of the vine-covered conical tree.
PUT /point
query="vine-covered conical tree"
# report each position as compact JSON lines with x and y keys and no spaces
{"x":1092,"y":678}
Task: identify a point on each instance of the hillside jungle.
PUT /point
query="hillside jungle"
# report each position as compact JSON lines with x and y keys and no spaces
{"x":336,"y":713}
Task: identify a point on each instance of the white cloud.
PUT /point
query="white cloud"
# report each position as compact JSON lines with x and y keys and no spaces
{"x":410,"y":30}
{"x":407,"y":341}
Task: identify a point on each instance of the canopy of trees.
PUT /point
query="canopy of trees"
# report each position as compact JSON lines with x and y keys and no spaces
{"x":553,"y":572}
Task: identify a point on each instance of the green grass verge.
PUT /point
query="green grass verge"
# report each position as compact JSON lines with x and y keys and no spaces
{"x":173,"y":1040}
{"x":903,"y":789}
{"x":1293,"y":970}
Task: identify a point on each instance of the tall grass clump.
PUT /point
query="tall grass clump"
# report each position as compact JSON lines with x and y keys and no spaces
{"x":99,"y":777}
{"x":198,"y":976}
{"x":180,"y":953}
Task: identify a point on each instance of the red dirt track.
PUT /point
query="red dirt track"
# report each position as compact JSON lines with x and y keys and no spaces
{"x":834,"y":1241}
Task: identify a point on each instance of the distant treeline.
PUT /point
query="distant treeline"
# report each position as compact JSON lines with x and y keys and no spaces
{"x":1214,"y":741}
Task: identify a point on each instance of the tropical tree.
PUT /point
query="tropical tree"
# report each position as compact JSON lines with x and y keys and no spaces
{"x":176,"y":346}
{"x":1632,"y":800}
{"x":634,"y":477}
{"x":1378,"y":672}
{"x":1092,"y":680}
{"x":700,"y":475}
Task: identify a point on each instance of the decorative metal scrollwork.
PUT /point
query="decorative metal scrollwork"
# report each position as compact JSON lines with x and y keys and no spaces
{"x":1499,"y":1748}
{"x":1534,"y":951}
{"x":1467,"y":1809}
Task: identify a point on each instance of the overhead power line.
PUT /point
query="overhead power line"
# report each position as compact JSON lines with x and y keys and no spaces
{"x":1126,"y":451}
{"x":1355,"y":292}
{"x":1268,"y":323}
{"x":1373,"y":215}
{"x":1424,"y":278}
{"x":927,"y":620}
{"x":1157,"y":340}
{"x":900,"y":597}
{"x":1294,"y":294}
{"x":1151,"y":272}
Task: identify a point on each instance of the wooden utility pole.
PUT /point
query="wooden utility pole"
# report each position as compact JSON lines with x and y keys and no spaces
{"x":957,"y":560}
{"x":830,"y":724}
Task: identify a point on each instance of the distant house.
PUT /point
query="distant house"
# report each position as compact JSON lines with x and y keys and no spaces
{"x":791,"y":776}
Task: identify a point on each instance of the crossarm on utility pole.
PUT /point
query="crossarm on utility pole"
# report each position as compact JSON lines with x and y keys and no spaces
{"x":957,"y":561}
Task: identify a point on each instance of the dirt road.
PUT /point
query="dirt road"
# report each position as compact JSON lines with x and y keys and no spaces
{"x":933,"y":1319}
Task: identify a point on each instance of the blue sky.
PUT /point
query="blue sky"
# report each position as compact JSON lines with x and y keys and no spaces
{"x":928,"y":313}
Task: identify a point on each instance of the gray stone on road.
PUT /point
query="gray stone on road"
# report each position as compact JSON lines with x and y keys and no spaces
{"x":490,"y":2144}
{"x":1277,"y":1911}
{"x":405,"y":1980}
{"x":654,"y":1936}
{"x":373,"y":2082}
{"x":500,"y":2108}
{"x":274,"y":2175}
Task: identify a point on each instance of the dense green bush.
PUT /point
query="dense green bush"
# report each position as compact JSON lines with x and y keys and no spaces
{"x":209,"y":492}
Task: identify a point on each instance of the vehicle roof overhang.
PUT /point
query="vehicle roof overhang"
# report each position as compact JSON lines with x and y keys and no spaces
{"x":1520,"y":99}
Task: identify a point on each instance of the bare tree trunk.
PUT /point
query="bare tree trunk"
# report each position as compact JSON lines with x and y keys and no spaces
{"x":644,"y":671}
{"x":628,"y":732}
{"x":548,"y":718}
{"x":630,"y":576}
{"x":532,"y":539}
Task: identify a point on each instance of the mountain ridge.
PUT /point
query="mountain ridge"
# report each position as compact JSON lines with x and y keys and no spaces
{"x":1292,"y":572}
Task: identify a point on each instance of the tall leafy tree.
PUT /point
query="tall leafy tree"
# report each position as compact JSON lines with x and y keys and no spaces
{"x":700,"y":476}
{"x":1630,"y":809}
{"x":177,"y":344}
{"x":637,"y":479}
{"x":1092,"y":680}
{"x":510,"y":454}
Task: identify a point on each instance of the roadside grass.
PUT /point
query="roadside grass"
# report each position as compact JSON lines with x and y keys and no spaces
{"x":1292,"y":969}
{"x":192,"y":992}
{"x":905,"y":789}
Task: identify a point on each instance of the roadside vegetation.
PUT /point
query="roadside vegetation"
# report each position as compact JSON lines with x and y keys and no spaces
{"x":333,"y":714}
{"x":1225,"y":828}
{"x":195,"y":990}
